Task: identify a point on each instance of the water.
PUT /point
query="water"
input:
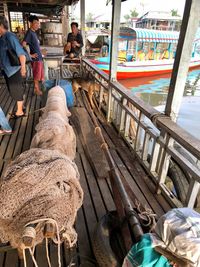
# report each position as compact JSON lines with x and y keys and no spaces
{"x":154,"y":90}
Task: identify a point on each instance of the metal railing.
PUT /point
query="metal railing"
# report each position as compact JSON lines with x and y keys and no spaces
{"x":155,"y":139}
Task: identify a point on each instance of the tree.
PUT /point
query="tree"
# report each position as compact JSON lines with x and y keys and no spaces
{"x":174,"y":12}
{"x":133,"y":14}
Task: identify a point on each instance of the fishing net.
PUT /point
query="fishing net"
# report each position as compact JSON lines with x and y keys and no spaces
{"x":56,"y":133}
{"x":39,"y":184}
{"x":56,"y":101}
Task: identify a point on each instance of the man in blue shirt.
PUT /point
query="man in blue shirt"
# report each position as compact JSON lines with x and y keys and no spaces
{"x":12,"y":74}
{"x":37,"y":62}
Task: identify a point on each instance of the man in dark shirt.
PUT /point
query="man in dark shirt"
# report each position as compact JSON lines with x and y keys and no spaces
{"x":74,"y":42}
{"x":32,"y":41}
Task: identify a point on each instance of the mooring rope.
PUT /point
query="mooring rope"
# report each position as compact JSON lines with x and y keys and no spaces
{"x":148,"y":213}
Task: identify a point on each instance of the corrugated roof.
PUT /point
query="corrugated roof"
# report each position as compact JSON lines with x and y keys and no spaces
{"x":147,"y":35}
{"x":150,"y":35}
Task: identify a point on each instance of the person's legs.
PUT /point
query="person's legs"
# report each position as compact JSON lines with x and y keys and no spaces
{"x":16,"y":90}
{"x":37,"y":88}
{"x":4,"y":124}
{"x":67,"y":48}
{"x":38,"y":75}
{"x":19,"y":111}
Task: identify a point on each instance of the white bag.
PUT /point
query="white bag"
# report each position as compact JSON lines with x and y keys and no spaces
{"x":178,"y":231}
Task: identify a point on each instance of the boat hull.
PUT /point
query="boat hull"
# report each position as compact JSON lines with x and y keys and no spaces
{"x":143,"y":69}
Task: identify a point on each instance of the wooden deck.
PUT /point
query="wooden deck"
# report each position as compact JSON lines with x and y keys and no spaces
{"x":92,"y":166}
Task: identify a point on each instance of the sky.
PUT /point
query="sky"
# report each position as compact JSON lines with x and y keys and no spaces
{"x":98,"y":7}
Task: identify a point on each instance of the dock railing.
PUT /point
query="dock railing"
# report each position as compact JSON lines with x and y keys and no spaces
{"x":156,"y":140}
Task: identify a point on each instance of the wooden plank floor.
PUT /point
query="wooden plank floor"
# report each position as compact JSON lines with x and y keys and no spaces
{"x":98,"y":197}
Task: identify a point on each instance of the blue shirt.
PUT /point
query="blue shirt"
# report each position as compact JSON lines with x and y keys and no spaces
{"x":32,"y":40}
{"x":9,"y":41}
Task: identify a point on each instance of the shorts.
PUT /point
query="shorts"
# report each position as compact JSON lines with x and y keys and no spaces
{"x":15,"y":85}
{"x":38,"y":70}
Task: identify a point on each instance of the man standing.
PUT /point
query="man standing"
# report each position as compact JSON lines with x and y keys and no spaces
{"x":74,"y":42}
{"x":37,"y":62}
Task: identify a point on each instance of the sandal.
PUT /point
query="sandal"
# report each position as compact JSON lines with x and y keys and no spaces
{"x":4,"y":132}
{"x":14,"y":116}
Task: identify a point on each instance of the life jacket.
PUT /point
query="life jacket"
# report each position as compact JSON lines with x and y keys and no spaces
{"x":122,"y":56}
{"x":165,"y":54}
{"x":150,"y":55}
{"x":141,"y":55}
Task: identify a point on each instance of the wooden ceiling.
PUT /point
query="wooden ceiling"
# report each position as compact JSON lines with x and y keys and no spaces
{"x":46,"y":7}
{"x":43,"y":2}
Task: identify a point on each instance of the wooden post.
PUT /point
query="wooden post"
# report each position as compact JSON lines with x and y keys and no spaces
{"x":116,"y":13}
{"x":189,"y":27}
{"x":65,"y":23}
{"x":6,"y":14}
{"x":82,"y":2}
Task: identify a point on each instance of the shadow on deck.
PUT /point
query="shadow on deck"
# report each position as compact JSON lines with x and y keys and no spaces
{"x":98,"y":198}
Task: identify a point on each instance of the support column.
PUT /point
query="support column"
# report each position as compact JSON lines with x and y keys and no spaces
{"x":82,"y":6}
{"x":182,"y":60}
{"x":65,"y":23}
{"x":5,"y":8}
{"x":116,"y":13}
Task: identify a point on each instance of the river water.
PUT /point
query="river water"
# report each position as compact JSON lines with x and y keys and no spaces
{"x":154,"y":90}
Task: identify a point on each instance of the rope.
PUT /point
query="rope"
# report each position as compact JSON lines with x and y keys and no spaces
{"x":104,"y":145}
{"x":30,"y":231}
{"x":97,"y":128}
{"x":37,"y":110}
{"x":58,"y":241}
{"x":148,"y":213}
{"x":24,"y":257}
{"x":47,"y":252}
{"x":33,"y":258}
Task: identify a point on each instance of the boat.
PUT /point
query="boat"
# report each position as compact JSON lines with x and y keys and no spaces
{"x":96,"y":41}
{"x":144,"y":52}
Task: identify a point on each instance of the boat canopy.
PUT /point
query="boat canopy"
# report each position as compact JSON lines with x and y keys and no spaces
{"x":146,"y":35}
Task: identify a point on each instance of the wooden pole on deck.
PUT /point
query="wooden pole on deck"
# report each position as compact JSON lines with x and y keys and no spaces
{"x":189,"y":27}
{"x":116,"y":13}
{"x":82,"y":6}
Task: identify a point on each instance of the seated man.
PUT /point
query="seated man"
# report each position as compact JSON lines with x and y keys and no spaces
{"x":74,"y":42}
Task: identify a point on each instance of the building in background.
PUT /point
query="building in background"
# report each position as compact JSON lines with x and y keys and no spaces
{"x":159,"y":20}
{"x":102,"y":22}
